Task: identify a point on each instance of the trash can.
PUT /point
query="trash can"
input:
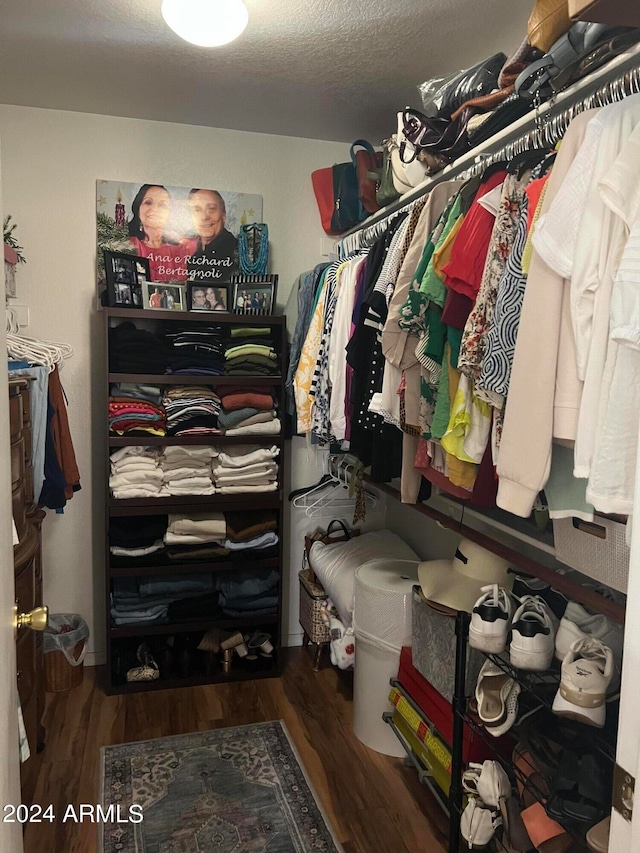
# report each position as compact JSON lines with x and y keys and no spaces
{"x":65,"y":645}
{"x":382,"y":625}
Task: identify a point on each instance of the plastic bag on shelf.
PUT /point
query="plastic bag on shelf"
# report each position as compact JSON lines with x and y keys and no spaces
{"x":441,"y":96}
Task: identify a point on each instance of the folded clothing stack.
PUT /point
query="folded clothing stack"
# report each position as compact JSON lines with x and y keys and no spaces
{"x":187,"y":470}
{"x":131,"y":415}
{"x":134,"y":350}
{"x":195,"y":348}
{"x":136,"y":537}
{"x":248,"y":410}
{"x":135,"y":473}
{"x":248,"y":594}
{"x":137,"y":601}
{"x":250,"y":351}
{"x":191,"y":410}
{"x":245,"y":469}
{"x":196,"y":529}
{"x":137,"y":390}
{"x":252,"y":535}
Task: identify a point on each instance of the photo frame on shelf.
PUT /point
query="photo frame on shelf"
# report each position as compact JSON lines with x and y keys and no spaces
{"x":253,"y":294}
{"x":125,"y":275}
{"x":164,"y":296}
{"x":203,"y":296}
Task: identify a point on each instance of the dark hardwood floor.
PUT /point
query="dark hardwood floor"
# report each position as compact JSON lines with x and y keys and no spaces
{"x":374,"y":803}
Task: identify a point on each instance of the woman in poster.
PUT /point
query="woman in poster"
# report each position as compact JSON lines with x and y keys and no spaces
{"x":151,"y":209}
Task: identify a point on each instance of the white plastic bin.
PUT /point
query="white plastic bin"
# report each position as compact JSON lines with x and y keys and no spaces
{"x":382,"y":625}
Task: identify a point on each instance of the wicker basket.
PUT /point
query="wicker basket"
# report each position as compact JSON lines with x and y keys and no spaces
{"x":597,"y":549}
{"x":60,"y":676}
{"x":312,"y":598}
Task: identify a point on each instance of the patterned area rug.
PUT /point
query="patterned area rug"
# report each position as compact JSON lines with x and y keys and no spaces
{"x":239,"y":789}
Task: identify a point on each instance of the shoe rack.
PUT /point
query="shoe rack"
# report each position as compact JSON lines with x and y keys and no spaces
{"x":182,"y":663}
{"x":540,"y":688}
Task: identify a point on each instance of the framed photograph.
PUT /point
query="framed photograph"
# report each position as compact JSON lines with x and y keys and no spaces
{"x":125,"y":276}
{"x":203,"y":296}
{"x":253,"y":294}
{"x":163,"y":296}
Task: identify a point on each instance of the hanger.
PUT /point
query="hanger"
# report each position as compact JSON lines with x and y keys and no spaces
{"x":23,"y":348}
{"x":338,"y":478}
{"x":526,"y":160}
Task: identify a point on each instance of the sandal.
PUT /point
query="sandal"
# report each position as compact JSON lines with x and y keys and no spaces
{"x":492,"y":690}
{"x":580,"y":791}
{"x":546,"y":835}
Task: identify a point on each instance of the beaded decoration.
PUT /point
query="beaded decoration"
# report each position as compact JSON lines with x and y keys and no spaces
{"x":253,"y":248}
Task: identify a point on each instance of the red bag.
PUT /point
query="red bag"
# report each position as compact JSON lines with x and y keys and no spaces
{"x":346,"y":192}
{"x":322,"y":180}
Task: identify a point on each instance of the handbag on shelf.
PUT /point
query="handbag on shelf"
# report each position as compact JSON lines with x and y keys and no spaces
{"x":386,"y":192}
{"x":368,"y":164}
{"x":548,"y":21}
{"x":437,"y":136}
{"x":338,"y":197}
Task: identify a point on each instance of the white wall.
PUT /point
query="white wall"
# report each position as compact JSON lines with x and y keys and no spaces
{"x":50,"y":163}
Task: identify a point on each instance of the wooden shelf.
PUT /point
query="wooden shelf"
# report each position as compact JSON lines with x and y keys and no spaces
{"x":194,"y":681}
{"x":206,"y":440}
{"x":193,"y":379}
{"x":217,"y":318}
{"x":120,"y":639}
{"x":121,"y":632}
{"x":193,"y":568}
{"x":199,"y":503}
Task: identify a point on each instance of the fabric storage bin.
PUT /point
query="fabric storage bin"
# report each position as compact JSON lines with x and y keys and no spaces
{"x":434,"y":648}
{"x":597,"y":549}
{"x":312,"y":599}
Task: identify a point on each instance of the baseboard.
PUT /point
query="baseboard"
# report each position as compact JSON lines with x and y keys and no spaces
{"x":95,"y":659}
{"x":294,"y":640}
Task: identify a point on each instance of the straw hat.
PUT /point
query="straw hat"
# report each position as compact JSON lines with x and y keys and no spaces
{"x":457,"y":583}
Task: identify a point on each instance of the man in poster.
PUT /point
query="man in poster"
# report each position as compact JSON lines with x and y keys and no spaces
{"x":216,"y":255}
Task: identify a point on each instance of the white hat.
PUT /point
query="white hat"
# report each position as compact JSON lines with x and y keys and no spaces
{"x":457,"y":583}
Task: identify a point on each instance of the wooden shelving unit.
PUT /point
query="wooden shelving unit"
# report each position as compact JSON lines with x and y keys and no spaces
{"x":121,"y":640}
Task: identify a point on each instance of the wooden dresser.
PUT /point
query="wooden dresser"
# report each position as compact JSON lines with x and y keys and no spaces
{"x":28,"y":578}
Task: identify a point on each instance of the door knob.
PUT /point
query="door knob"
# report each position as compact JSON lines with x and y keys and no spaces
{"x":36,"y":619}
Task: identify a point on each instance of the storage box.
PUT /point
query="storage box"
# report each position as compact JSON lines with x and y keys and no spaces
{"x":597,"y":549}
{"x":620,"y":13}
{"x":434,"y":648}
{"x":438,"y":712}
{"x":312,"y":599}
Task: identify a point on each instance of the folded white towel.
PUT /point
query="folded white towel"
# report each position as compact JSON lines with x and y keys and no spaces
{"x":261,"y":454}
{"x":246,"y":489}
{"x":175,"y":451}
{"x":133,"y":450}
{"x":270,"y":428}
{"x":136,"y":478}
{"x":135,"y":492}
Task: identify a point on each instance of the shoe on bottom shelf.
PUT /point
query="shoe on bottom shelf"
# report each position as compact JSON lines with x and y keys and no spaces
{"x":478,"y":823}
{"x":532,"y":635}
{"x":586,"y":674}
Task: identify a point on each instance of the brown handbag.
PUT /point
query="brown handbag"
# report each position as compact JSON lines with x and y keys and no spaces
{"x":368,"y":168}
{"x":548,"y":21}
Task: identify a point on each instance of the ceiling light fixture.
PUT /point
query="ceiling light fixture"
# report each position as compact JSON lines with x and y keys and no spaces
{"x":207,"y":23}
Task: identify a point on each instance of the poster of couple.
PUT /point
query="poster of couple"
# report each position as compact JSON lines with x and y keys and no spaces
{"x":186,"y":233}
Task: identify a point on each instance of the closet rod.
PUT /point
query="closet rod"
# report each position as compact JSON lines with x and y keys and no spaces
{"x":542,"y":126}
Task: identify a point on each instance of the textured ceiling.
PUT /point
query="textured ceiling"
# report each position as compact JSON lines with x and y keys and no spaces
{"x":325,"y":69}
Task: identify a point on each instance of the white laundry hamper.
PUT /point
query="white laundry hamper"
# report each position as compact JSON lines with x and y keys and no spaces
{"x":382,"y":625}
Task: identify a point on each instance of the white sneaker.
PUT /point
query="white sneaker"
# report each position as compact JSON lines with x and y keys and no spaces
{"x":586,"y":673}
{"x":532,"y":635}
{"x":577,"y":623}
{"x":490,"y":620}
